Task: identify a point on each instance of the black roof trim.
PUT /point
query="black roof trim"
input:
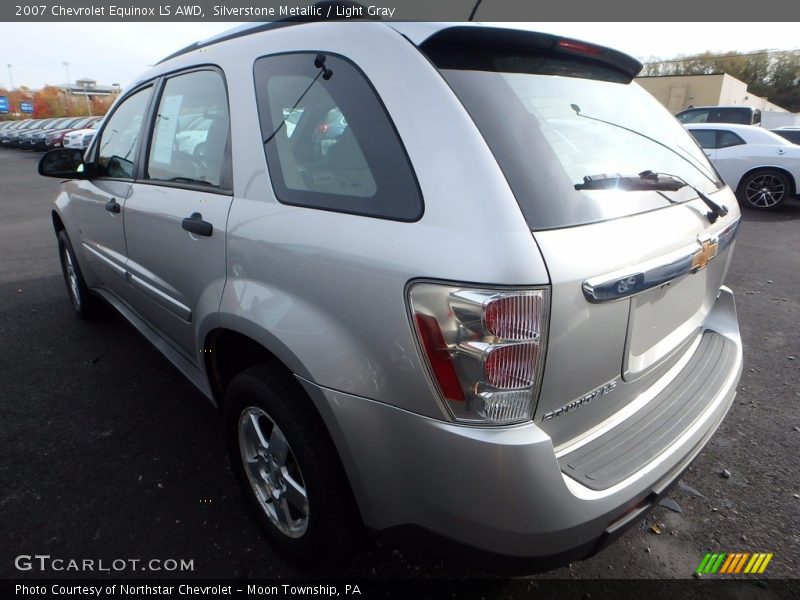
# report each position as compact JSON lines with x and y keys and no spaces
{"x":277,"y":24}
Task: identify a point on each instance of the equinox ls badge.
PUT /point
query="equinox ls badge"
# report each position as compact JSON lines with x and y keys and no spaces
{"x":582,"y":401}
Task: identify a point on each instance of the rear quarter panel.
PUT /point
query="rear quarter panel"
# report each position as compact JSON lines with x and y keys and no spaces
{"x":325,"y":290}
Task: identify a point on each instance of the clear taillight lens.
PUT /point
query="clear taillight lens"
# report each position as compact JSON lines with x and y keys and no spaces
{"x":484,"y":349}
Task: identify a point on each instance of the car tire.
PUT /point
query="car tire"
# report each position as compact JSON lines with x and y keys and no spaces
{"x":765,"y":189}
{"x":289,"y":469}
{"x":85,"y":304}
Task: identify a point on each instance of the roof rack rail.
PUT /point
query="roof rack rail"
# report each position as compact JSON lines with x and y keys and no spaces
{"x":321,"y":12}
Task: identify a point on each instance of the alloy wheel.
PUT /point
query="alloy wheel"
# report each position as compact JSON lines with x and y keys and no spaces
{"x":273,"y":472}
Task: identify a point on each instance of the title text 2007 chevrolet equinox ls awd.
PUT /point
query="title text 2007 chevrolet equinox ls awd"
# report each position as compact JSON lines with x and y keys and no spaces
{"x":455,"y":277}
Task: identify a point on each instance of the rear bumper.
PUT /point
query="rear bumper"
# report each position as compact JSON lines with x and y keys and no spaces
{"x":502,"y":490}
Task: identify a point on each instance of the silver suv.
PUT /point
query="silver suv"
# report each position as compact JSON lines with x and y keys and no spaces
{"x":489,"y":306}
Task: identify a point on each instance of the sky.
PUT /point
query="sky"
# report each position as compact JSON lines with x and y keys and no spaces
{"x":118,"y":52}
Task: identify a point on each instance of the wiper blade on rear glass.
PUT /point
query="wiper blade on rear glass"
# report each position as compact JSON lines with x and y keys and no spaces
{"x":717,"y":210}
{"x":650,"y":180}
{"x":715,"y":180}
{"x":629,"y":183}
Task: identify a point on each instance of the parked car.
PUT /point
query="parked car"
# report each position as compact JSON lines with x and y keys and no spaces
{"x":25,"y":139}
{"x":191,"y":139}
{"x":511,"y":332}
{"x":6,"y":133}
{"x":788,"y":133}
{"x":38,"y":139}
{"x":14,"y":136}
{"x":744,"y":115}
{"x":55,"y":139}
{"x":80,"y":138}
{"x":761,"y":166}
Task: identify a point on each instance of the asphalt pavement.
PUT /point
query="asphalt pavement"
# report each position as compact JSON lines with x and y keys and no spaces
{"x":107,"y":452}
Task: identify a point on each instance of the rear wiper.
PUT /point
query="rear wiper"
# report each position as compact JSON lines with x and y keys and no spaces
{"x":717,"y":210}
{"x":649,"y":180}
{"x":629,"y":183}
{"x":702,"y":171}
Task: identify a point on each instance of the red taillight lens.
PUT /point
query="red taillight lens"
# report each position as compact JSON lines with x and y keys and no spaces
{"x":439,"y":357}
{"x":483,"y":348}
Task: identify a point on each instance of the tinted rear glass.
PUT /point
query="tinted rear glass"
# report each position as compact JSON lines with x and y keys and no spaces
{"x":552,"y":121}
{"x":791,"y":135}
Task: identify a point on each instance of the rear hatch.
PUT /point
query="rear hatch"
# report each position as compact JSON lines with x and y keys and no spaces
{"x":633,"y":222}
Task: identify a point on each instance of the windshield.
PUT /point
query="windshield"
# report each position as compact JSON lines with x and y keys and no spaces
{"x":550,"y":133}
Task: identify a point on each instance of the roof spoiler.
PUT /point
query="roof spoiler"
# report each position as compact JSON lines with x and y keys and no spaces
{"x":471,"y":38}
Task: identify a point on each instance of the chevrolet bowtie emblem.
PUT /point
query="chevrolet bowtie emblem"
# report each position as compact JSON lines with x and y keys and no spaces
{"x":708,"y":250}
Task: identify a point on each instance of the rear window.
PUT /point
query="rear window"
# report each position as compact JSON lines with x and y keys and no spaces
{"x":554,"y":120}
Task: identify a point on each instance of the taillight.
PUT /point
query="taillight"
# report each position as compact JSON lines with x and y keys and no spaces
{"x":484,"y":349}
{"x":323,"y":127}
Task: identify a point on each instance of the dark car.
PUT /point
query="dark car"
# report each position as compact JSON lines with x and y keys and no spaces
{"x":25,"y":139}
{"x":7,"y":130}
{"x":789,"y":133}
{"x":14,"y":137}
{"x":743,"y":115}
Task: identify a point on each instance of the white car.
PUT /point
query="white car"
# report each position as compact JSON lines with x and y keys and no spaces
{"x":80,"y":138}
{"x":760,"y":166}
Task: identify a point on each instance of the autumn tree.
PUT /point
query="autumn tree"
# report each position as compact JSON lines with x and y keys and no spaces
{"x":49,"y":102}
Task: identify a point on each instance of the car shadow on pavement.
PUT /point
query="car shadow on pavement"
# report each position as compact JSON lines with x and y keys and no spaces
{"x":789,"y":210}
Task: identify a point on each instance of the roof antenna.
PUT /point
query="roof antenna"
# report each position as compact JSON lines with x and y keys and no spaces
{"x":474,"y":10}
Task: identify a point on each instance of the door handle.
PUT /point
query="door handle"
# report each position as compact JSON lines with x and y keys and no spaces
{"x":195,"y":224}
{"x":112,"y":206}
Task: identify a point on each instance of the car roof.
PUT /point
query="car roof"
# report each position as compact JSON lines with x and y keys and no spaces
{"x":418,"y":34}
{"x":718,"y":106}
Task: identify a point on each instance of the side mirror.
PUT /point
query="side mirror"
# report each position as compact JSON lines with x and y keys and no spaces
{"x":64,"y":163}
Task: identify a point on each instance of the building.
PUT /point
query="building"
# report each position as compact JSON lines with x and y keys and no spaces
{"x":678,"y":92}
{"x":89,"y":87}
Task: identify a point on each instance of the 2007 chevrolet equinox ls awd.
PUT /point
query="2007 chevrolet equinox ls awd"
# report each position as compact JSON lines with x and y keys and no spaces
{"x":454,"y":277}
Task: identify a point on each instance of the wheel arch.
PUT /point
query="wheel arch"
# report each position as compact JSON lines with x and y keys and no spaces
{"x":229,"y":352}
{"x":760,"y":168}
